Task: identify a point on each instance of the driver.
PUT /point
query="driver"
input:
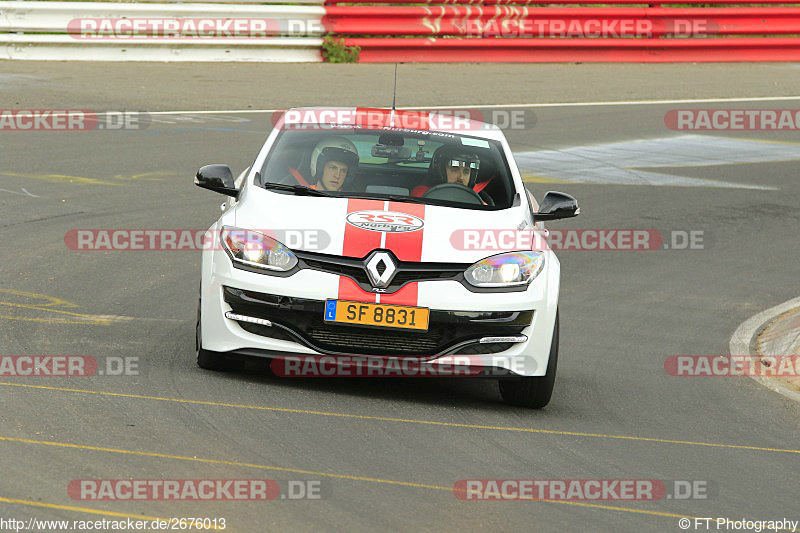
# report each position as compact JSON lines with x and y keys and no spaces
{"x":451,"y":164}
{"x":331,"y":161}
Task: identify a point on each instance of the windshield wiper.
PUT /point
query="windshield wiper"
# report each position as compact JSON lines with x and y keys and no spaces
{"x":298,"y":190}
{"x":395,"y":198}
{"x":301,"y":190}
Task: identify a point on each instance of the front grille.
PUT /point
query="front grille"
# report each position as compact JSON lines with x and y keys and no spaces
{"x":406,"y":271}
{"x":369,"y":341}
{"x":301,"y":320}
{"x":405,"y":276}
{"x":351,"y":271}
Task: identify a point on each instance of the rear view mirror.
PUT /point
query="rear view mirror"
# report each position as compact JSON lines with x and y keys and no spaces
{"x":391,"y":152}
{"x":556,"y":205}
{"x":217,"y":178}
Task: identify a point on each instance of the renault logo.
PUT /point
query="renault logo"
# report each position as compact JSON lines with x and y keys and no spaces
{"x":380,"y":269}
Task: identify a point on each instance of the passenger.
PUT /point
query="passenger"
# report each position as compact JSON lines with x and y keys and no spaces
{"x":331,"y":161}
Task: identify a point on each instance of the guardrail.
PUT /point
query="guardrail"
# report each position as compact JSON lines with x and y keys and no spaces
{"x":540,"y":3}
{"x":455,"y":30}
{"x":65,"y":48}
{"x":515,"y":31}
{"x":51,"y":31}
{"x":520,"y":21}
{"x":576,"y":50}
{"x":55,"y":17}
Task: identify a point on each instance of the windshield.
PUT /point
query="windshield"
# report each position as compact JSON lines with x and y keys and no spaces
{"x":390,"y":163}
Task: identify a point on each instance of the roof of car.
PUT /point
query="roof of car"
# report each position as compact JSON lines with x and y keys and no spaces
{"x":455,"y":121}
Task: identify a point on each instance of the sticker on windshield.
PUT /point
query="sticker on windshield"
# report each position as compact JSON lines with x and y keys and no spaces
{"x":480,"y":143}
{"x":385,"y":221}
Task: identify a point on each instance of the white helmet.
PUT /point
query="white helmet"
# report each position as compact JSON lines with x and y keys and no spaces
{"x":333,"y":149}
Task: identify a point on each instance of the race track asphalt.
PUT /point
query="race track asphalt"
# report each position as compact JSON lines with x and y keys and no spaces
{"x":387,"y":450}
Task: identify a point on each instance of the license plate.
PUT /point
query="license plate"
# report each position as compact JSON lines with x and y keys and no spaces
{"x":377,"y":315}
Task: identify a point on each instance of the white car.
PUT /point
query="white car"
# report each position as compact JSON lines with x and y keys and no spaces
{"x":347,"y":238}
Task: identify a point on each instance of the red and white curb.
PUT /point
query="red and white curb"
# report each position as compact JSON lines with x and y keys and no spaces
{"x":744,"y":343}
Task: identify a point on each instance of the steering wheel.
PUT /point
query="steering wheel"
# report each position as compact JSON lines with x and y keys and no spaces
{"x":454,"y":192}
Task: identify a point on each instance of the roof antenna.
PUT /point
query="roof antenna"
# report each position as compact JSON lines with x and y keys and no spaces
{"x":394,"y":97}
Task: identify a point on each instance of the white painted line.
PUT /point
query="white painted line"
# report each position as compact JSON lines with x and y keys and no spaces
{"x":626,"y":102}
{"x":507,"y":106}
{"x":23,"y":193}
{"x":743,"y":339}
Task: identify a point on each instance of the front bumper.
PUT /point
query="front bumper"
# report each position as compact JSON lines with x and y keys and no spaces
{"x":294,"y":307}
{"x":300,"y":320}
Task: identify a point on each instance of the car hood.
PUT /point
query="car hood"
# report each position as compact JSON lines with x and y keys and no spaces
{"x":353,"y":227}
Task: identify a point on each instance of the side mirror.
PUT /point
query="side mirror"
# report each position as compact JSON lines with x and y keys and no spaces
{"x":217,"y":178}
{"x":557,"y":205}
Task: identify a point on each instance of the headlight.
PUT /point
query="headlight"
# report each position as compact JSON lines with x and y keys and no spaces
{"x":506,"y":270}
{"x":255,"y":249}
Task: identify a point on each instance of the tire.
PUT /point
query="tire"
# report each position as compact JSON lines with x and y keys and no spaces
{"x":209,"y":360}
{"x":534,"y":392}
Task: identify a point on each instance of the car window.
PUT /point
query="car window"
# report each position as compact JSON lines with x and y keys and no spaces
{"x":421,"y":166}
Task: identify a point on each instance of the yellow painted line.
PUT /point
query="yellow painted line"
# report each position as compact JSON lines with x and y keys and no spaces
{"x":333,"y":475}
{"x":537,"y":178}
{"x":60,"y":178}
{"x":49,"y":304}
{"x":86,"y":321}
{"x":86,"y":180}
{"x":89,"y":510}
{"x":152,"y":176}
{"x":438,"y":423}
{"x":225,"y":462}
{"x":49,"y":300}
{"x":84,"y":318}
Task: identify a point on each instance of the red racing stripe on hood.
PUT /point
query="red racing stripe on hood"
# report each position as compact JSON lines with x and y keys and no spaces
{"x":358,"y":242}
{"x":406,"y":246}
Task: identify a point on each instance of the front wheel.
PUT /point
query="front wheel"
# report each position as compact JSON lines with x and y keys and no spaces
{"x":534,"y":391}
